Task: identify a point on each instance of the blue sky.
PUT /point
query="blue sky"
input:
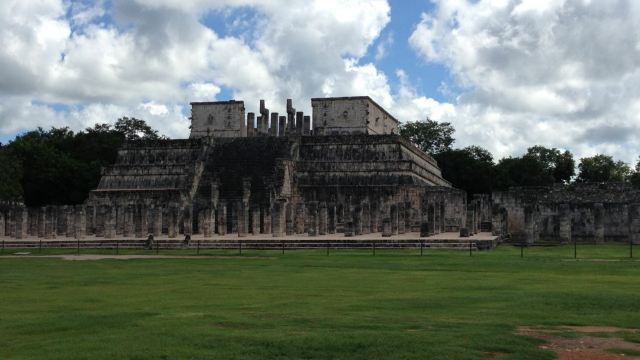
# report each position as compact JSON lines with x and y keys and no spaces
{"x":507,"y":74}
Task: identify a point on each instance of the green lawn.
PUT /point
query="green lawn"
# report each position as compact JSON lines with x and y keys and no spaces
{"x":304,"y":304}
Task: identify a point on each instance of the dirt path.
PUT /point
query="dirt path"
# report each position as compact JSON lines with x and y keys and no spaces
{"x":86,"y":257}
{"x":587,"y":347}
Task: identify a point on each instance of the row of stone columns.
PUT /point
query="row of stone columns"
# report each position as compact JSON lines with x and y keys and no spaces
{"x":271,"y":124}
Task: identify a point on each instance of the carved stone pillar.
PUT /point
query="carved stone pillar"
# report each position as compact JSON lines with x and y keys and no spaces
{"x":322,"y":218}
{"x":266,"y":218}
{"x":357,"y":220}
{"x":109,"y":222}
{"x":387,"y":227}
{"x":393,"y":211}
{"x":401,"y":218}
{"x":80,"y":222}
{"x":21,"y":222}
{"x":187,"y":217}
{"x":289,"y":213}
{"x":206,"y":222}
{"x":273,"y":129}
{"x":564,"y":223}
{"x":307,"y":125}
{"x":332,"y":221}
{"x":42,"y":218}
{"x":243,"y":219}
{"x":251,"y":124}
{"x":255,"y":219}
{"x":313,"y":218}
{"x":300,"y":218}
{"x":278,"y":219}
{"x":173,"y":215}
{"x":299,"y":122}
{"x":70,"y":220}
{"x":598,"y":222}
{"x":634,"y":223}
{"x":157,"y":221}
{"x":222,"y":218}
{"x":282,"y":124}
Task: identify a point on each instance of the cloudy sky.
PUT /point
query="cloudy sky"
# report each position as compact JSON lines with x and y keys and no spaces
{"x":506,"y":74}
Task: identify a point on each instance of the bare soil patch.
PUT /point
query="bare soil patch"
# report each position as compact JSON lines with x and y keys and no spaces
{"x":587,"y":347}
{"x":90,"y":257}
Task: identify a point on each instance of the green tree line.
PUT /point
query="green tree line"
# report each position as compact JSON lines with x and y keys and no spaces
{"x":58,"y":166}
{"x":474,"y":169}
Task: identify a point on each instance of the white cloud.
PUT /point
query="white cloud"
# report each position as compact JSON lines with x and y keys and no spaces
{"x":156,"y":56}
{"x":561,"y":73}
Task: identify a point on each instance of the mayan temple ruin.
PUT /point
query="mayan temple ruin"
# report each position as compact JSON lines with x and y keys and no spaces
{"x":343,"y":171}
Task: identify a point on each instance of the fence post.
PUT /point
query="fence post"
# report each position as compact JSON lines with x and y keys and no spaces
{"x":240,"y":246}
{"x":630,"y":248}
{"x":470,"y":249}
{"x":575,"y":248}
{"x":198,"y":248}
{"x":157,"y":246}
{"x":522,"y":249}
{"x":421,"y":246}
{"x":373,"y":245}
{"x":3,"y":246}
{"x":78,"y":247}
{"x":327,"y":248}
{"x":117,"y":247}
{"x":39,"y":245}
{"x":282,"y":247}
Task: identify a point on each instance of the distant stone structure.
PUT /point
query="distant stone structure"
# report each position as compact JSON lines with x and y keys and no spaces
{"x":347,"y":172}
{"x":565,"y":213}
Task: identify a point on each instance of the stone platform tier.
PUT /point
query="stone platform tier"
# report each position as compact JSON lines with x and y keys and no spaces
{"x":481,"y":241}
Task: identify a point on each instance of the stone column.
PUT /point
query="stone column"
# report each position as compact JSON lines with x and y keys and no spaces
{"x":222,"y":218}
{"x":564,"y":223}
{"x":264,"y":119}
{"x":289,"y":214}
{"x":322,"y":218}
{"x":98,"y":220}
{"x":80,"y":222}
{"x":299,"y":122}
{"x":109,"y":222}
{"x":278,"y":219}
{"x":374,"y":215}
{"x":70,"y":219}
{"x":243,"y":219}
{"x":470,"y":220}
{"x":393,"y":210}
{"x":357,"y":220}
{"x":266,"y":218}
{"x":366,"y":218}
{"x":273,"y":129}
{"x":157,"y":221}
{"x":2,"y":224}
{"x":282,"y":124}
{"x":530,"y":224}
{"x":634,"y":223}
{"x":332,"y":220}
{"x":387,"y":228}
{"x":401,"y":218}
{"x":251,"y":124}
{"x":21,"y":222}
{"x":255,"y":219}
{"x":42,"y":218}
{"x":50,"y":231}
{"x":307,"y":125}
{"x":205,"y":226}
{"x":188,"y":220}
{"x":598,"y":222}
{"x":300,"y":218}
{"x":436,"y":218}
{"x":313,"y":218}
{"x":173,"y":221}
{"x":137,"y":221}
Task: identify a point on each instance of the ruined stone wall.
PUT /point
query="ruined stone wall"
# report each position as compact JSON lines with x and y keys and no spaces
{"x":218,"y":119}
{"x":351,"y":115}
{"x":582,"y":212}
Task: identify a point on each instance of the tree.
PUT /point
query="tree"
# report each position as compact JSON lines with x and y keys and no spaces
{"x":59,"y":166}
{"x":521,"y":171}
{"x":559,"y":165}
{"x":470,"y":169}
{"x":136,"y":129}
{"x":601,"y":168}
{"x":430,"y":136}
{"x":634,"y":179}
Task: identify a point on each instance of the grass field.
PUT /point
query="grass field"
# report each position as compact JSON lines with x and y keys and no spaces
{"x":304,"y":304}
